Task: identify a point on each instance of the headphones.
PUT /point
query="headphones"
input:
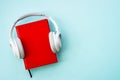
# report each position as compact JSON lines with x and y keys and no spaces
{"x":54,"y":37}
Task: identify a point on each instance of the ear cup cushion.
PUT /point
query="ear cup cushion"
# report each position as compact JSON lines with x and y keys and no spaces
{"x":19,"y":47}
{"x":52,"y":42}
{"x":57,"y":41}
{"x":15,"y":49}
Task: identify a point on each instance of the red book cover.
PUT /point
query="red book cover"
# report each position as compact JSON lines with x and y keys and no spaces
{"x":35,"y":41}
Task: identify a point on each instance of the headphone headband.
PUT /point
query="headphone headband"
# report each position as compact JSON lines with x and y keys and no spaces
{"x":29,"y":15}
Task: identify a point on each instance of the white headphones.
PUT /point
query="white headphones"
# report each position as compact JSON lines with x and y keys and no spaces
{"x":54,"y":38}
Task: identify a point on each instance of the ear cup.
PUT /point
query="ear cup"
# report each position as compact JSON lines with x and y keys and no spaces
{"x":52,"y":42}
{"x":55,"y":42}
{"x":18,"y":48}
{"x":57,"y":39}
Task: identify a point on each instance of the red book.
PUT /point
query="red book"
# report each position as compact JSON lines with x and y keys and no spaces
{"x":35,"y":41}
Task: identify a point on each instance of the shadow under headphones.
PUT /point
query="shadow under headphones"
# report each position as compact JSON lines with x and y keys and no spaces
{"x":54,"y":37}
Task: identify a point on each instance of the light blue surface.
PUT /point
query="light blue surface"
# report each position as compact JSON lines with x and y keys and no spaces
{"x":91,"y":39}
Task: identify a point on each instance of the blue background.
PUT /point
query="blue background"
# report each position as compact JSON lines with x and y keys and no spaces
{"x":90,"y":35}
